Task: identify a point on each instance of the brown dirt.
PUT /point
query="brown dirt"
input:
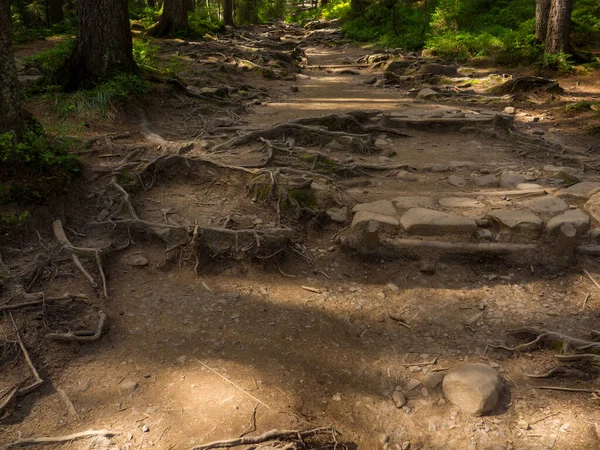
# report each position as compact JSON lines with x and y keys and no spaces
{"x":306,"y":359}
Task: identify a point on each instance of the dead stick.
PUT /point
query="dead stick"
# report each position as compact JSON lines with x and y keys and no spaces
{"x":82,"y":336}
{"x":38,"y":380}
{"x":268,"y":436}
{"x":559,"y":388}
{"x":57,"y":439}
{"x":591,"y":278}
{"x":235,"y":385}
{"x":587,"y":296}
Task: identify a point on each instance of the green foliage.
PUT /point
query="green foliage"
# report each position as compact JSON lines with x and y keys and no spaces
{"x":144,"y":54}
{"x":306,"y":198}
{"x":560,"y":62}
{"x":145,"y":16}
{"x":35,"y":168}
{"x":52,"y":59}
{"x":204,"y":21}
{"x":10,"y":222}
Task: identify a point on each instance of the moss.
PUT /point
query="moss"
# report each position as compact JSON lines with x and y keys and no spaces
{"x":306,"y":198}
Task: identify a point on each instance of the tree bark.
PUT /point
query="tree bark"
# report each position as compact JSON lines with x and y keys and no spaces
{"x":55,"y":11}
{"x":11,"y":118}
{"x":559,"y":27}
{"x":228,"y":12}
{"x":103,"y":45}
{"x":542,"y":13}
{"x":174,"y":19}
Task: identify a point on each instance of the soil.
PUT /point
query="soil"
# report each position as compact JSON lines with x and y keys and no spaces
{"x":207,"y":345}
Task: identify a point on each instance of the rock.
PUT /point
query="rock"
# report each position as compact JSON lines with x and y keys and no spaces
{"x":427,"y":94}
{"x":128,"y":386}
{"x":487,"y":181}
{"x":145,"y":428}
{"x":424,"y":392}
{"x":427,"y":268}
{"x":568,"y":175}
{"x":436,"y":167}
{"x":577,"y":218}
{"x":405,"y":203}
{"x":438,"y":69}
{"x":405,"y":445}
{"x":338,"y":215}
{"x":428,"y":222}
{"x":407,"y":176}
{"x":457,"y":181}
{"x":510,"y":179}
{"x":136,"y":260}
{"x":463,"y":164}
{"x":412,"y":384}
{"x":381,"y":143}
{"x":387,"y":223}
{"x":523,"y":425}
{"x":460,"y":202}
{"x":547,"y":206}
{"x":474,"y":388}
{"x":27,"y":80}
{"x":384,"y":207}
{"x":33,"y":72}
{"x":431,"y":380}
{"x":485,"y":235}
{"x":509,"y":110}
{"x":415,"y":369}
{"x":522,"y":223}
{"x":399,"y":399}
{"x":579,"y":191}
{"x":528,"y":186}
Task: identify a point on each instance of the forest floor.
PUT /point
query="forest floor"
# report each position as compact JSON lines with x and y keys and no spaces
{"x":209,"y":336}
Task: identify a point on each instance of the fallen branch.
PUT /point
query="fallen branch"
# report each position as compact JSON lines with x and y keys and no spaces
{"x":82,"y":336}
{"x":549,"y":336}
{"x":567,"y":389}
{"x":273,"y":435}
{"x":42,"y":301}
{"x":58,"y":439}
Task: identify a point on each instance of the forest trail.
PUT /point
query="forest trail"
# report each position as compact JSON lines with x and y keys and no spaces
{"x":327,"y":334}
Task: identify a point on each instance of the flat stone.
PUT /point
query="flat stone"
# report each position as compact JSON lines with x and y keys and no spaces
{"x":577,"y":218}
{"x":136,"y":260}
{"x":407,"y":176}
{"x":128,"y":386}
{"x":522,"y":223}
{"x":387,"y":222}
{"x":547,"y":206}
{"x":384,"y":207}
{"x":460,"y":202}
{"x":510,"y":179}
{"x":579,"y":191}
{"x":426,"y":94}
{"x":457,"y":181}
{"x":338,"y":215}
{"x":399,"y":399}
{"x":474,"y":388}
{"x":528,"y":186}
{"x":438,"y":167}
{"x":412,"y":383}
{"x":428,"y":222}
{"x":431,"y":380}
{"x":490,"y":180}
{"x":406,"y":203}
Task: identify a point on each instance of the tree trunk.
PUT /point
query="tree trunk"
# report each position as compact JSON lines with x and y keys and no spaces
{"x":103,"y":45}
{"x":191,"y":5}
{"x":11,"y":118}
{"x":55,"y":11}
{"x":174,"y":19}
{"x":559,"y":27}
{"x":151,"y":3}
{"x":542,"y":13}
{"x":228,"y":12}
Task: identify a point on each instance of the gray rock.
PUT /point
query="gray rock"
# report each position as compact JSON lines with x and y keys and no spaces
{"x":490,"y":180}
{"x":437,"y":167}
{"x":475,"y":388}
{"x":579,"y":191}
{"x":427,"y":94}
{"x":438,"y":69}
{"x":407,"y":176}
{"x":33,"y":72}
{"x":405,"y":203}
{"x":387,"y":223}
{"x":128,"y":386}
{"x":136,"y":260}
{"x":457,"y":181}
{"x":519,"y":223}
{"x":399,"y":399}
{"x":547,"y":206}
{"x":528,"y":186}
{"x":577,"y":218}
{"x":338,"y":215}
{"x":460,"y":202}
{"x":428,"y":222}
{"x":384,"y":207}
{"x":510,"y":179}
{"x":412,"y":384}
{"x":431,"y":380}
{"x":30,"y":80}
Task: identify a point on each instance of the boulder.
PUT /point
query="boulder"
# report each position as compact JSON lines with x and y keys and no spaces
{"x":520,"y":223}
{"x":431,"y":380}
{"x":457,"y":181}
{"x":547,"y":206}
{"x":427,"y":94}
{"x":474,"y":388}
{"x":384,"y":207}
{"x":577,"y":218}
{"x":579,"y":191}
{"x":338,"y":215}
{"x":386,"y":223}
{"x":428,"y":222}
{"x":407,"y":176}
{"x":510,"y":179}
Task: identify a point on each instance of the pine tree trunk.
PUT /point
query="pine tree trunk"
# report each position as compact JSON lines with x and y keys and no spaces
{"x":542,"y":13}
{"x":55,"y":11}
{"x":11,"y":118}
{"x":174,"y":18}
{"x":228,"y":12}
{"x":559,"y":27}
{"x":103,"y":45}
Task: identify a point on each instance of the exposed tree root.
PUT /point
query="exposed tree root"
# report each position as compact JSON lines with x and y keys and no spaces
{"x":58,"y":439}
{"x":95,"y":253}
{"x":558,"y":370}
{"x":273,"y":435}
{"x":82,"y":336}
{"x":522,"y":84}
{"x":42,"y":301}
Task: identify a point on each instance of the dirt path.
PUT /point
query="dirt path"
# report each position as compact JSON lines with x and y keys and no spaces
{"x":187,"y":359}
